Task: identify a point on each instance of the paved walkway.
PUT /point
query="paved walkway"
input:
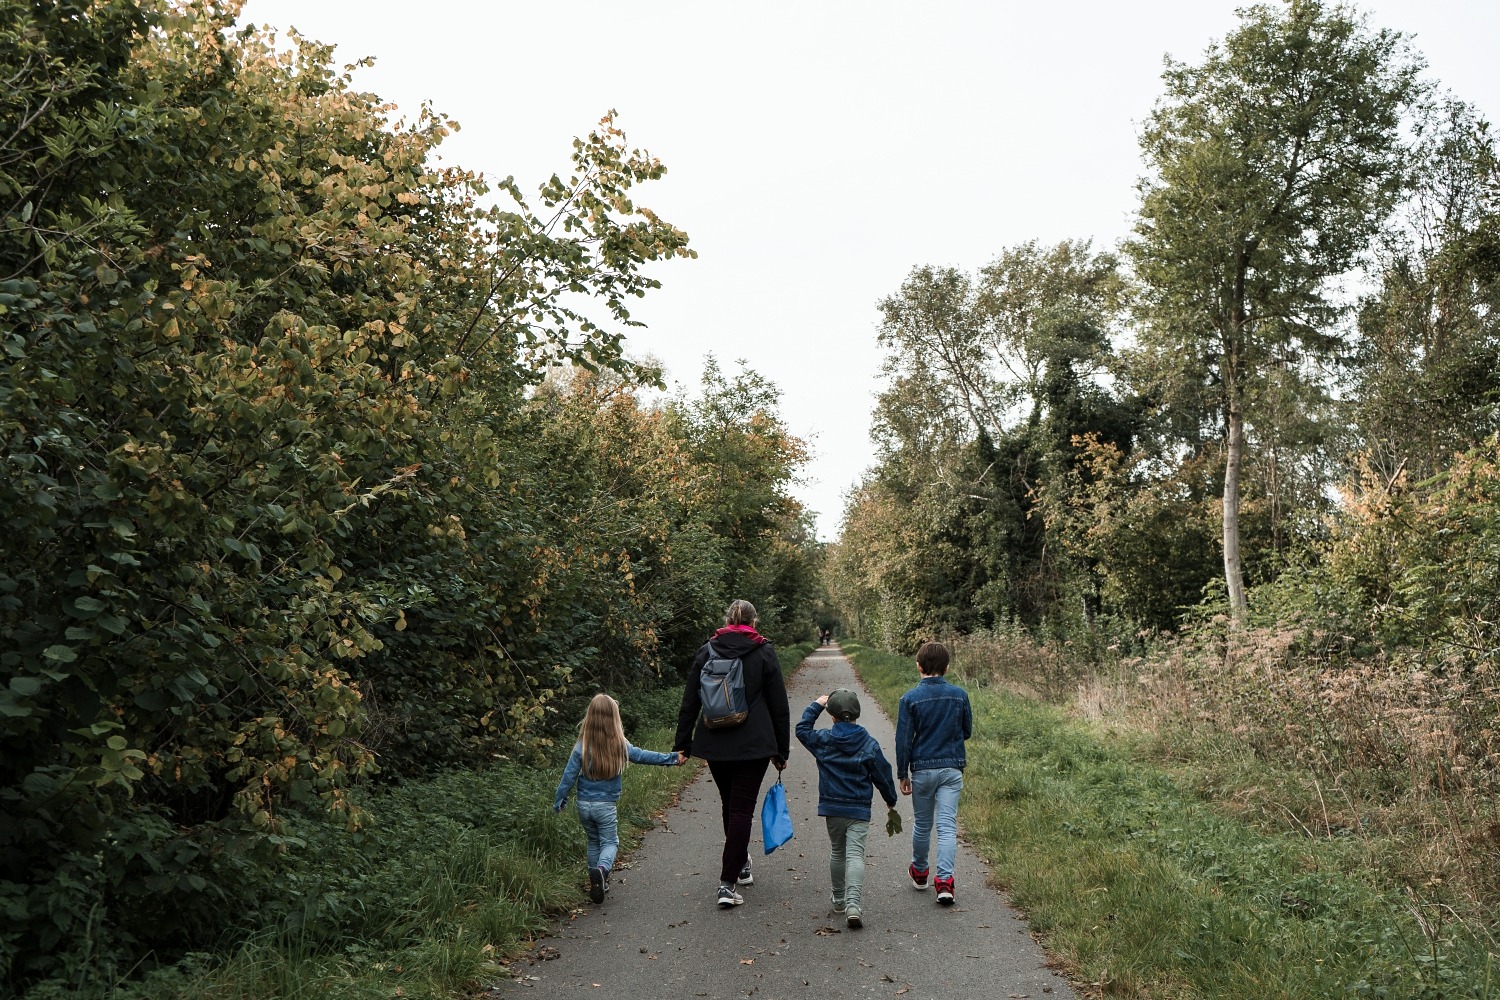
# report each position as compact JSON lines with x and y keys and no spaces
{"x":661,"y":934}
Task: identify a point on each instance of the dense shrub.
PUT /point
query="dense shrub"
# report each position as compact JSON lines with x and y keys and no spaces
{"x":287,"y":502}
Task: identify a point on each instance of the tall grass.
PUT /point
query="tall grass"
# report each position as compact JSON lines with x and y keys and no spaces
{"x":1147,"y":886}
{"x":453,"y":876}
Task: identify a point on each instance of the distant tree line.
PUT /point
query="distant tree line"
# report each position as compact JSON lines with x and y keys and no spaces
{"x":1280,"y":395}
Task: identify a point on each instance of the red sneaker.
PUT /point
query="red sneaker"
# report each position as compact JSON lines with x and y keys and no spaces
{"x":918,"y":876}
{"x":944,"y":890}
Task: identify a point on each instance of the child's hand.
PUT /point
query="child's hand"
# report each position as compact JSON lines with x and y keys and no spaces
{"x":823,"y":700}
{"x":681,"y":758}
{"x":892,"y":822}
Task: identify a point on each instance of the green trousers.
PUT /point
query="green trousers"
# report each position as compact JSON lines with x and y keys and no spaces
{"x":846,"y":858}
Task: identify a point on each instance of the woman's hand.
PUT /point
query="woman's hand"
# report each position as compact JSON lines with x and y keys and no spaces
{"x":779,"y":762}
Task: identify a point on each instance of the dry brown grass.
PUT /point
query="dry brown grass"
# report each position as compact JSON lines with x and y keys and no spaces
{"x":1288,"y":729}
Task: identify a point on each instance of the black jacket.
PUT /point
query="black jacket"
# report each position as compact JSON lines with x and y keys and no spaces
{"x":767,"y":731}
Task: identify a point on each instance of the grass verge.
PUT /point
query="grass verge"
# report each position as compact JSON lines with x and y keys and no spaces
{"x":456,"y":875}
{"x":1146,"y":888}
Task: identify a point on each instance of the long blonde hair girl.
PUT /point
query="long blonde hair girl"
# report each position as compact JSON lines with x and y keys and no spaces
{"x":602,"y":737}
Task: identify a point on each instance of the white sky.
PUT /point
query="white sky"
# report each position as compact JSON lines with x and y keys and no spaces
{"x":817,"y":152}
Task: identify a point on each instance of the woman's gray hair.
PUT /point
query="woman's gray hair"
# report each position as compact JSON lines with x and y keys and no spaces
{"x":740,"y":613}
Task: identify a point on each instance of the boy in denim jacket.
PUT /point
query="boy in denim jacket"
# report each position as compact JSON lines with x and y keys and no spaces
{"x":850,"y":768}
{"x":932,"y":723}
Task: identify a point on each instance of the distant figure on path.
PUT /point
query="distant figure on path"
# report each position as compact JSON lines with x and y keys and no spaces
{"x":595,"y":767}
{"x":738,"y":754}
{"x":932,"y":722}
{"x":850,"y":768}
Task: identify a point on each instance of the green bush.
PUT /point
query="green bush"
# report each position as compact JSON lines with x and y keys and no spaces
{"x":290,"y":502}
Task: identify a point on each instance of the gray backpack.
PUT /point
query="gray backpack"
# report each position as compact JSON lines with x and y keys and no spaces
{"x":721,"y":685}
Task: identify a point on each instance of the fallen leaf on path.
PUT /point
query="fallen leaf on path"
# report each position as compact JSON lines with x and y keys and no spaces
{"x":903,"y":989}
{"x":886,"y":977}
{"x":825,"y":931}
{"x":747,"y":961}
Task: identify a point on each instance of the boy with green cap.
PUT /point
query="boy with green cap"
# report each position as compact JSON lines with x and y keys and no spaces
{"x":850,"y":768}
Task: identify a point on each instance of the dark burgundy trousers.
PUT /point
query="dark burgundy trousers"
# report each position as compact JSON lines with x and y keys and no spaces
{"x":738,"y":782}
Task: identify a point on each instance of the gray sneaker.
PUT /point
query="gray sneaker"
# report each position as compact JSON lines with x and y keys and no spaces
{"x":728,"y":897}
{"x":838,"y":904}
{"x":853,"y":919}
{"x":745,"y":877}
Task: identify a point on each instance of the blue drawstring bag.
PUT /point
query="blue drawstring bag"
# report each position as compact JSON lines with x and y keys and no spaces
{"x":775,"y":819}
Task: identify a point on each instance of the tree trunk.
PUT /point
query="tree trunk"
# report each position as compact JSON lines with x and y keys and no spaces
{"x":1234,"y":575}
{"x":1234,"y":445}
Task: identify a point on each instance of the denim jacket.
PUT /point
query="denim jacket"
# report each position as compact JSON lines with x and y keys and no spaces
{"x":602,"y":789}
{"x":932,"y":722}
{"x":850,"y":766}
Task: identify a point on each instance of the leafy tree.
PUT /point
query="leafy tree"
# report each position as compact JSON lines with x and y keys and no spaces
{"x":1424,"y":373}
{"x":1272,"y":164}
{"x":275,"y":498}
{"x":991,"y":377}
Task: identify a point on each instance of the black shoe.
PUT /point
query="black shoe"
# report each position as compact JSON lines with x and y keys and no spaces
{"x":596,"y":884}
{"x":745,"y":877}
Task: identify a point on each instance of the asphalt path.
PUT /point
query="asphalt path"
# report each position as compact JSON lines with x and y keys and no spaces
{"x":660,"y":932}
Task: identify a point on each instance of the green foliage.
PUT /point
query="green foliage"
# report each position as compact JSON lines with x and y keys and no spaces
{"x":289,"y":503}
{"x":1149,"y":890}
{"x":1421,"y":563}
{"x":1424,"y":379}
{"x":1273,"y":164}
{"x":454,"y":873}
{"x":990,"y":382}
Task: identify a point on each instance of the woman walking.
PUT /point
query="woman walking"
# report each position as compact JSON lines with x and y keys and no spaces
{"x":738,"y":752}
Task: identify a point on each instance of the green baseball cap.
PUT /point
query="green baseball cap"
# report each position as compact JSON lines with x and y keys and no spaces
{"x":843,"y":704}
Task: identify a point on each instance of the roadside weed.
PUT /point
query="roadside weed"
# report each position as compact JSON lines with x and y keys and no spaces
{"x":1147,"y":886}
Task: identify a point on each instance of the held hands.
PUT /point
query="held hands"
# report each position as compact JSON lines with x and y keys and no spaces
{"x":681,"y":758}
{"x":905,"y":786}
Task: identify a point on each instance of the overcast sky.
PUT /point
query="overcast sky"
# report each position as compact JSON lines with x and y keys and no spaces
{"x":817,"y":152}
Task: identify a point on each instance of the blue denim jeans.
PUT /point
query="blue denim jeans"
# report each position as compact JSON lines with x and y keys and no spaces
{"x":602,"y":830}
{"x":934,"y":801}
